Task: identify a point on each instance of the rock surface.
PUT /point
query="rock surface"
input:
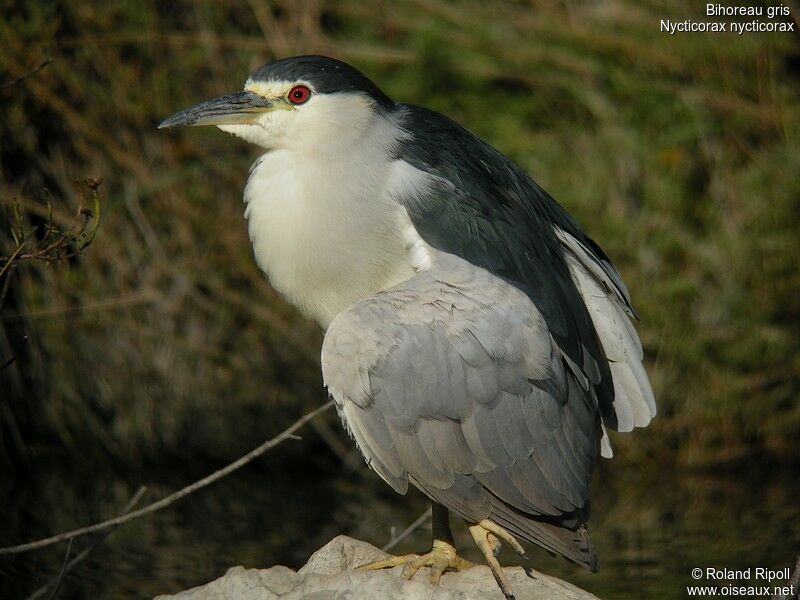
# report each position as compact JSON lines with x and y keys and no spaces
{"x":330,"y":575}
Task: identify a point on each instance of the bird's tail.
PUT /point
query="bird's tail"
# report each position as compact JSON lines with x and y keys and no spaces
{"x":572,"y":543}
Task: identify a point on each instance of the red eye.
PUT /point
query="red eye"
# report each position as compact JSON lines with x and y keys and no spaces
{"x":299,"y":94}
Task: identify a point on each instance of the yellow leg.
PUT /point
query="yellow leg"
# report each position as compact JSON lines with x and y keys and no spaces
{"x":486,"y":534}
{"x":442,"y":557}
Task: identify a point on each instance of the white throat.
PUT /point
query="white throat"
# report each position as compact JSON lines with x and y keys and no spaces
{"x":324,"y":227}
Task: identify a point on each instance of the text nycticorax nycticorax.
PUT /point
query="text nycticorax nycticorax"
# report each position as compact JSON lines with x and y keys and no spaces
{"x":478,"y":342}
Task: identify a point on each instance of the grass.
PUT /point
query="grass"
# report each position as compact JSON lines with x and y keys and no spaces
{"x":679,"y":155}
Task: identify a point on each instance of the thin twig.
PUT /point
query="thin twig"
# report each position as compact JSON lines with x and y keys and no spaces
{"x":11,"y":360}
{"x":10,"y":260}
{"x":408,"y":530}
{"x":274,"y":37}
{"x":132,"y":299}
{"x":57,"y":245}
{"x":14,"y":82}
{"x":349,"y":455}
{"x":182,"y":493}
{"x":4,"y":290}
{"x":85,"y":552}
{"x":60,"y":577}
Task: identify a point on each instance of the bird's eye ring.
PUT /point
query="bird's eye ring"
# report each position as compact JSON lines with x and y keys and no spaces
{"x":299,"y":94}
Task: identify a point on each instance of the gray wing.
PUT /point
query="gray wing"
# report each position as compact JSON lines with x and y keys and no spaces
{"x":464,"y":197}
{"x":478,"y":205}
{"x":453,"y":381}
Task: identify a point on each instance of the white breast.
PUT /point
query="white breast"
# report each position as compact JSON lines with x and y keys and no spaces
{"x":326,"y":231}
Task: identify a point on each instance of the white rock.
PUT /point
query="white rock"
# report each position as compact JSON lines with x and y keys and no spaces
{"x":330,"y":575}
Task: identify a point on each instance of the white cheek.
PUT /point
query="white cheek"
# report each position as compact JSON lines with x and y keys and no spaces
{"x":268,"y":132}
{"x":327,"y":123}
{"x":250,"y":133}
{"x":334,"y":122}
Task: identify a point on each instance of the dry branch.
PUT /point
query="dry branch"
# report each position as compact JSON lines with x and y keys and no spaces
{"x":30,"y":73}
{"x":53,"y":244}
{"x":134,"y":299}
{"x":418,"y":522}
{"x":68,"y":566}
{"x":62,"y":572}
{"x":174,"y":497}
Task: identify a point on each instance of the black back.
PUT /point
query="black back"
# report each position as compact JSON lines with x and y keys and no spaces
{"x":488,"y":211}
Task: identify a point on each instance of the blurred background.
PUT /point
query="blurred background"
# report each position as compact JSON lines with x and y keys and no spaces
{"x":160,"y":353}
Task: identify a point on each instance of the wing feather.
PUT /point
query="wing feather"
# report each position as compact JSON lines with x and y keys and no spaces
{"x":609,"y":307}
{"x":465,"y":198}
{"x":485,"y":424}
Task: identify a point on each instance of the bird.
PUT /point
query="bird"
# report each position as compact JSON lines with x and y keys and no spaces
{"x":478,"y":343}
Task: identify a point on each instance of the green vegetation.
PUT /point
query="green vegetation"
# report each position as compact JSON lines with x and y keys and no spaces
{"x":678,"y":154}
{"x":163,"y":344}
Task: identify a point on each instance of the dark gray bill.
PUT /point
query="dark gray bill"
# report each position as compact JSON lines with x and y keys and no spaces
{"x":241,"y":107}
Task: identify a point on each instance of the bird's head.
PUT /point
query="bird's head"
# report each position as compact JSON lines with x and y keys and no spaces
{"x":301,"y":102}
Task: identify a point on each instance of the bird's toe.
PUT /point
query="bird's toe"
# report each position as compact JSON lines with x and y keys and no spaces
{"x":482,"y":537}
{"x":389,"y":563}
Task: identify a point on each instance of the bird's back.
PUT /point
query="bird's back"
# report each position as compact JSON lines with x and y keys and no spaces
{"x":482,"y":207}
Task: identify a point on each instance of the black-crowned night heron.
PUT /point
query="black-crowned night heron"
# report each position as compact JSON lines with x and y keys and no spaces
{"x":478,"y":343}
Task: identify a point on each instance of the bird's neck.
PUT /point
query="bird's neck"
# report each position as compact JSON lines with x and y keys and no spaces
{"x":325,"y":229}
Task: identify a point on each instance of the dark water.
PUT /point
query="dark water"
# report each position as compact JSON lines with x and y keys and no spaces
{"x":651,"y":528}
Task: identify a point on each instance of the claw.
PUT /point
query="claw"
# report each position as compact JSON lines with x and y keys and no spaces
{"x":503,"y":534}
{"x":394,"y":561}
{"x":437,"y":569}
{"x":442,"y":557}
{"x":482,"y":536}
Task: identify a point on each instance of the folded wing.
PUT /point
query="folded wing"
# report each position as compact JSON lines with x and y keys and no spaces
{"x":452,"y":381}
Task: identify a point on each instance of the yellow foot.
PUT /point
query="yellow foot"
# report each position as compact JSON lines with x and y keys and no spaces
{"x":486,"y":534}
{"x":441,"y":558}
